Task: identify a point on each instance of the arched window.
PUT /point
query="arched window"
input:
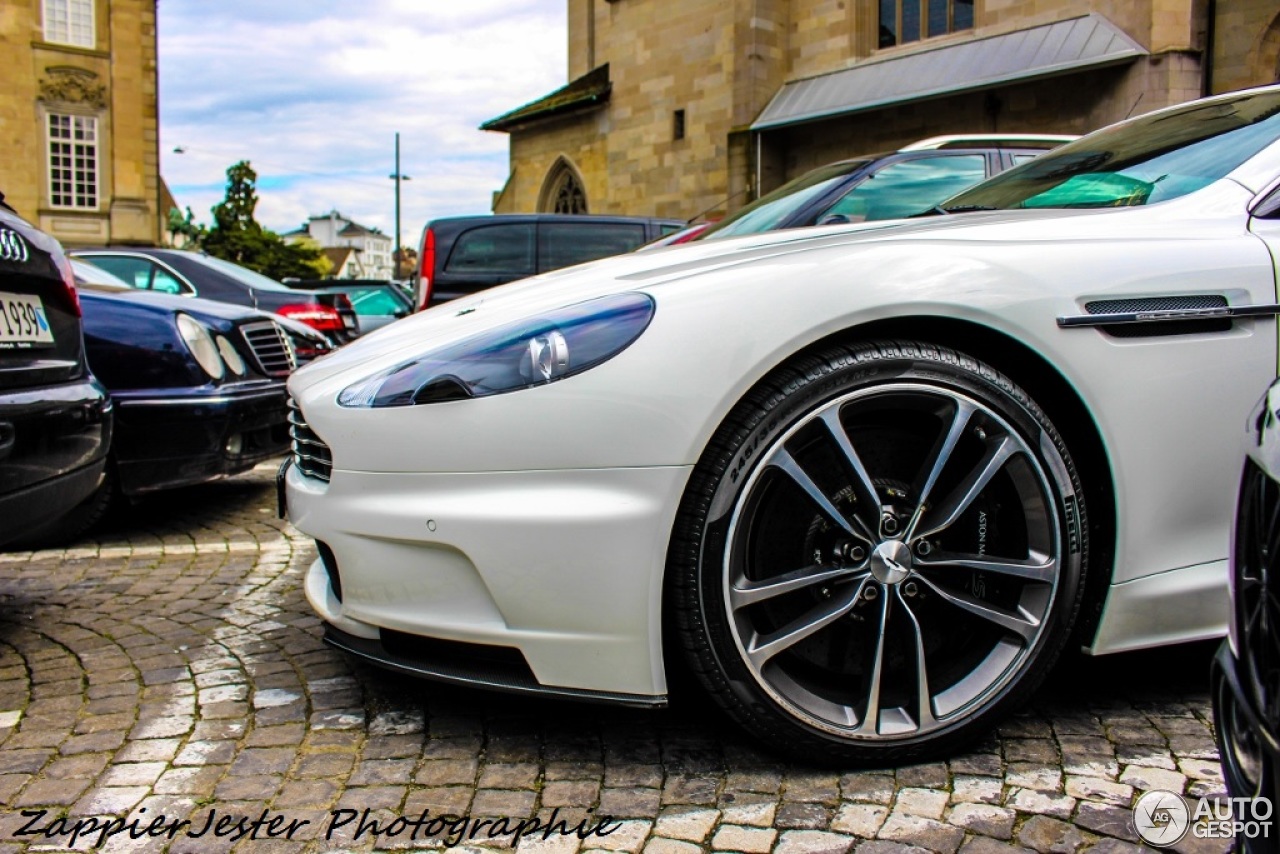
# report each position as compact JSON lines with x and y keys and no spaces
{"x":563,"y":192}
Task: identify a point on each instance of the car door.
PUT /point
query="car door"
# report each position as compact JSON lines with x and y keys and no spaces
{"x":1265,"y":223}
{"x":563,"y":244}
{"x":486,"y":255}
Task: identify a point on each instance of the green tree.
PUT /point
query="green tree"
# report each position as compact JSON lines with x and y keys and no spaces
{"x":236,"y":236}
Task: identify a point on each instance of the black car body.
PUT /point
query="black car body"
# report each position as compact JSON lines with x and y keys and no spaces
{"x":198,"y":388}
{"x":889,"y":185}
{"x":192,"y":274}
{"x":55,"y":418}
{"x":1246,"y":670}
{"x":464,"y":254}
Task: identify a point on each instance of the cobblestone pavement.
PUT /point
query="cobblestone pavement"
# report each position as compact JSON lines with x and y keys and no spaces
{"x":173,"y":666}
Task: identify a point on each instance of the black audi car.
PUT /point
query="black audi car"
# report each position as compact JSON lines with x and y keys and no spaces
{"x":55,"y":418}
{"x":1246,"y":670}
{"x":194,"y":274}
{"x":198,"y":388}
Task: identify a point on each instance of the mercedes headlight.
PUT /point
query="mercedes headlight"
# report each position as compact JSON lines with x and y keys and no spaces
{"x":201,"y":345}
{"x":517,"y":355}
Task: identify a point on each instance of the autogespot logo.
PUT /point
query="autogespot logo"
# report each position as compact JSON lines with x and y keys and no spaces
{"x":1161,"y":818}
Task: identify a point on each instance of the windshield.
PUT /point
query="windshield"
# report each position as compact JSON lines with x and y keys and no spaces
{"x":243,"y":274}
{"x":766,"y":212}
{"x":1148,"y":160}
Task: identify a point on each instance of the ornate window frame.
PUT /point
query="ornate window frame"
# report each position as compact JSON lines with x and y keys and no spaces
{"x":563,"y":191}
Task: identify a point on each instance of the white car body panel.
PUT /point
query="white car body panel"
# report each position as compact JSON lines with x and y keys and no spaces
{"x":581,"y":477}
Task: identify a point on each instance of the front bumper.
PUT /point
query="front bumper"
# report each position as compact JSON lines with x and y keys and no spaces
{"x":165,"y":440}
{"x":564,"y":567}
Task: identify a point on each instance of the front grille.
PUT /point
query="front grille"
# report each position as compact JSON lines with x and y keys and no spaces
{"x":311,"y":455}
{"x":271,"y":348}
{"x":1257,"y":588}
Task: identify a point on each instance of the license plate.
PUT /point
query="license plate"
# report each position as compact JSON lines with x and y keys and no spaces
{"x":23,"y":322}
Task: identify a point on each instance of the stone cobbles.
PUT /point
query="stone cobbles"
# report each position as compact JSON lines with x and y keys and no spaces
{"x":170,"y":671}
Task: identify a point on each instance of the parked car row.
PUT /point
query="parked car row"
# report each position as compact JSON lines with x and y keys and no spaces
{"x":111,"y":391}
{"x":868,"y":480}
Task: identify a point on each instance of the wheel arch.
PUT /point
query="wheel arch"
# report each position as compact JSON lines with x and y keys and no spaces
{"x":1051,"y":391}
{"x":1058,"y":398}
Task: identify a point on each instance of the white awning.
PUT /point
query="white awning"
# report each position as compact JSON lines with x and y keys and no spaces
{"x":1077,"y":44}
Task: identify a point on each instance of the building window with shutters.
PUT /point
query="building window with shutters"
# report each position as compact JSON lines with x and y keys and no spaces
{"x":906,"y":21}
{"x":70,"y":22}
{"x":73,"y":161}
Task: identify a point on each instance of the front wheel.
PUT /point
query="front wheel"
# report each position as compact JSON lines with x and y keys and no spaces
{"x":879,"y":554}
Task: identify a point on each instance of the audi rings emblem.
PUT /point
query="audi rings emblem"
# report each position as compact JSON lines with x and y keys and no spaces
{"x":13,"y":247}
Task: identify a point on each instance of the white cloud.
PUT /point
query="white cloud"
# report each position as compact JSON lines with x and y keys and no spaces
{"x":312,"y":92}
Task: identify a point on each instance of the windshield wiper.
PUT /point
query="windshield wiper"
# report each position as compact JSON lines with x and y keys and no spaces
{"x":939,"y":210}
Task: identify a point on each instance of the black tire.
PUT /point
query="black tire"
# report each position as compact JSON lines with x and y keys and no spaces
{"x":818,"y":614}
{"x":77,"y":521}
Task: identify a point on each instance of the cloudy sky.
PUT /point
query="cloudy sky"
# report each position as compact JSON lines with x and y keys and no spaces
{"x":312,"y":93}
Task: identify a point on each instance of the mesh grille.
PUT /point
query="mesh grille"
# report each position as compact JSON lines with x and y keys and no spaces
{"x":1125,"y":306}
{"x":311,"y":455}
{"x":271,"y":348}
{"x":1256,"y":577}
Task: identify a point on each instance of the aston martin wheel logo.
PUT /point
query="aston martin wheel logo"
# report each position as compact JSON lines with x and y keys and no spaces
{"x":13,"y":247}
{"x":1161,"y":818}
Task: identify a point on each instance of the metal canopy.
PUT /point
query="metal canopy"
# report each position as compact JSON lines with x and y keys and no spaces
{"x":1059,"y":48}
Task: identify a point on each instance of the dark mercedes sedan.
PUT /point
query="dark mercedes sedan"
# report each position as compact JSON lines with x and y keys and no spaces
{"x":198,"y":389}
{"x":55,"y":418}
{"x":194,"y":274}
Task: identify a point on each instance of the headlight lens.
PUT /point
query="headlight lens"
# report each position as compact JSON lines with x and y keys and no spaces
{"x":229,"y":355}
{"x":518,"y":355}
{"x":201,"y":345}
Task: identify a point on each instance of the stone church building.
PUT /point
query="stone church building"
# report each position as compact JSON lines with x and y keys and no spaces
{"x":692,"y":109}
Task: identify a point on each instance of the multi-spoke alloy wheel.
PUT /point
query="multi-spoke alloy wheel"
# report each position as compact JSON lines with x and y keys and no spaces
{"x":879,"y":553}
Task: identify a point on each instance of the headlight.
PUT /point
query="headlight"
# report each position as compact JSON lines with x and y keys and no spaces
{"x":201,"y":345}
{"x":518,"y":355}
{"x":229,"y":355}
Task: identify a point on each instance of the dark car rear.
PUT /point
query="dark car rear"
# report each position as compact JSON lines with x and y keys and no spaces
{"x":377,"y":302}
{"x":462,"y":255}
{"x":177,"y":271}
{"x":55,"y":418}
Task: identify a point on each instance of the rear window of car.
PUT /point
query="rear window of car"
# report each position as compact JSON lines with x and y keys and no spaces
{"x":567,"y":243}
{"x":505,"y":248}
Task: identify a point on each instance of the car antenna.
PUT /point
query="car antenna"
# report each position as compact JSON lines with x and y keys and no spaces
{"x":1135,"y":105}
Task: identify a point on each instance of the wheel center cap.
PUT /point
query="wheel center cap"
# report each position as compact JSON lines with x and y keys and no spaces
{"x":891,"y":562}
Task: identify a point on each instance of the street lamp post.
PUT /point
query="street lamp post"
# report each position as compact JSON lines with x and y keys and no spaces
{"x":398,"y":177}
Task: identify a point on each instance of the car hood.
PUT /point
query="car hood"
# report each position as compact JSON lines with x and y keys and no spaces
{"x":688,"y":264}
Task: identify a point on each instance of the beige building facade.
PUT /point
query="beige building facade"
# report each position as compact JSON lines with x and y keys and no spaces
{"x":692,"y":109}
{"x":79,"y":121}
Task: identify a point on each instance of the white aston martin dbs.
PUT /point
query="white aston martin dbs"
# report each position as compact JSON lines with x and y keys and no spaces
{"x":869,"y":481}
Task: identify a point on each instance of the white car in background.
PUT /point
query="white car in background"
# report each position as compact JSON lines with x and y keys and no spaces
{"x":871,"y":479}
